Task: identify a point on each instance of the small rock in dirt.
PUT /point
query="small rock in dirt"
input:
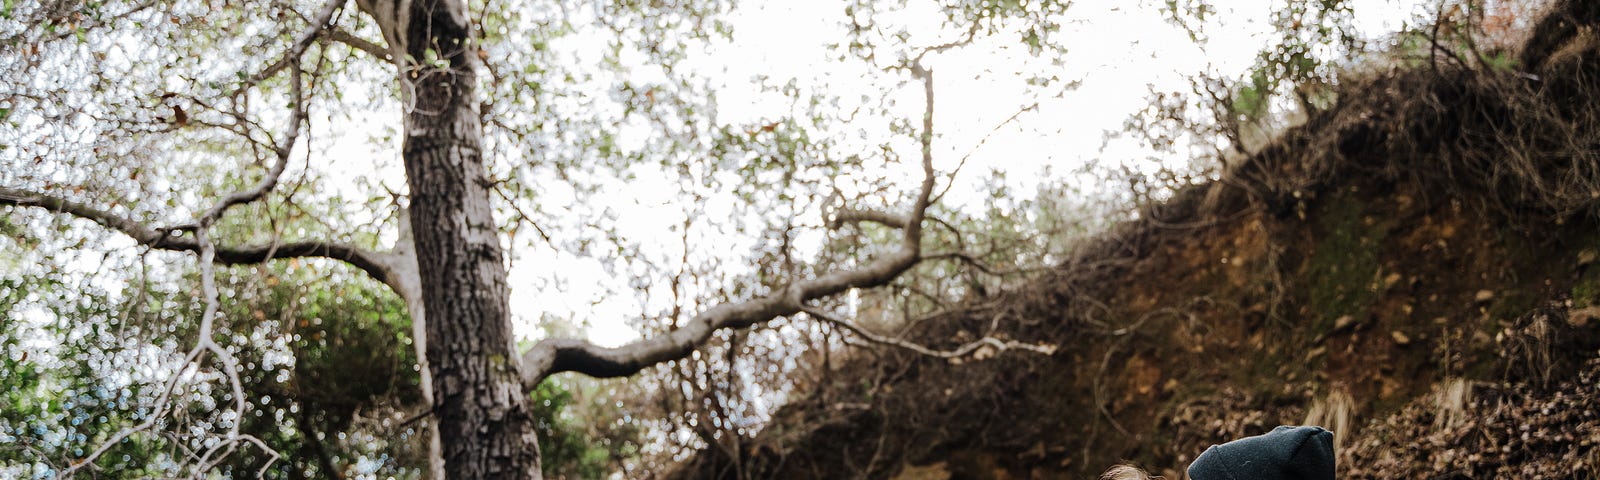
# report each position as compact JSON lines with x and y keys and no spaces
{"x":1400,"y":338}
{"x":1343,"y":322}
{"x":1586,"y":257}
{"x":1581,"y":317}
{"x":1484,"y":296}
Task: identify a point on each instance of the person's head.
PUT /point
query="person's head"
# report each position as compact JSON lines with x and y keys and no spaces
{"x":1285,"y":453}
{"x":1126,"y":472}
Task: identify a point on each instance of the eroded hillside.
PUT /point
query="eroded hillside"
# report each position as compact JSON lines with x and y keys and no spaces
{"x":1415,"y":268}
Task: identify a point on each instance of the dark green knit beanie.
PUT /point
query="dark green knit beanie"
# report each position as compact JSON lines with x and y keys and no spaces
{"x":1285,"y":453}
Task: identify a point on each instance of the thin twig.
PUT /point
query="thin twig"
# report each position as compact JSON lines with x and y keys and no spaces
{"x":956,"y":353}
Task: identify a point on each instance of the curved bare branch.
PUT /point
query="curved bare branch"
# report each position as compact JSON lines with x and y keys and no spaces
{"x":855,"y":215}
{"x":571,"y":355}
{"x":380,"y":266}
{"x":558,"y":355}
{"x":301,"y":43}
{"x":369,"y":47}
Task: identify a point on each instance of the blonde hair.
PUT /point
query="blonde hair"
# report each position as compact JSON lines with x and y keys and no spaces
{"x":1127,"y":472}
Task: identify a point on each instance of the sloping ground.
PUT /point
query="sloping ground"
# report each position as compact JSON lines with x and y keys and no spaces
{"x":1414,"y":268}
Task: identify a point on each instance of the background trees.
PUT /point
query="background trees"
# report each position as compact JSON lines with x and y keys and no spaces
{"x":191,"y":130}
{"x":143,"y":140}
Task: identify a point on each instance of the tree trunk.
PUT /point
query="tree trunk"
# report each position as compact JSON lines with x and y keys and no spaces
{"x":481,"y":410}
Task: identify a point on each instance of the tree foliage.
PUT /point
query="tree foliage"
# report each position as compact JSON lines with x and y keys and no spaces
{"x":801,"y":211}
{"x":202,"y":128}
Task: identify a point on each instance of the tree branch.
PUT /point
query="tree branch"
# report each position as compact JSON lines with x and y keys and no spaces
{"x":301,"y":43}
{"x":297,"y":116}
{"x":379,"y":265}
{"x":369,"y":47}
{"x":558,"y":355}
{"x":572,"y":355}
{"x":853,"y":215}
{"x":972,"y":348}
{"x":966,"y":39}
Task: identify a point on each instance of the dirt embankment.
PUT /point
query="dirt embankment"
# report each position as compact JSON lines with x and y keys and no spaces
{"x":1415,"y":268}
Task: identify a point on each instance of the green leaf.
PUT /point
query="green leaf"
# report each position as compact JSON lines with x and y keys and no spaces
{"x":1032,"y":39}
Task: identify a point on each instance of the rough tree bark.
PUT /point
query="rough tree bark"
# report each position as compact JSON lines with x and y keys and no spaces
{"x":480,"y":409}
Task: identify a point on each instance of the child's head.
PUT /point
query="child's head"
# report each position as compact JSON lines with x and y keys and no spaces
{"x":1126,"y":472}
